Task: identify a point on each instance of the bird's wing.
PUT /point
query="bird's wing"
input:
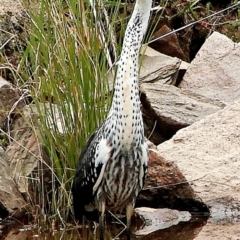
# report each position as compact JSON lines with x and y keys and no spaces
{"x":89,"y":172}
{"x":104,"y":152}
{"x":143,"y":172}
{"x":90,"y":163}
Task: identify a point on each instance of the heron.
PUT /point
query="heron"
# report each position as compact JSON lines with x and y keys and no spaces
{"x":113,"y":163}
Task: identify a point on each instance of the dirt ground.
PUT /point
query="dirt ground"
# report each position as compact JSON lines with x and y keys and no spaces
{"x":13,"y":6}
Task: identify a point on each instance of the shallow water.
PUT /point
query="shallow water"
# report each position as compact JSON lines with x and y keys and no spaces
{"x":223,"y":224}
{"x":182,"y":231}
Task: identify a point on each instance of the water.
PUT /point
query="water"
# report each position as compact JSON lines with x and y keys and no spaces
{"x":223,"y":224}
{"x":182,"y":231}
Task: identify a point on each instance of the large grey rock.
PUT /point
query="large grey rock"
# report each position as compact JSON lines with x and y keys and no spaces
{"x":166,"y":186}
{"x":10,"y":198}
{"x":27,"y":156}
{"x":208,"y":154}
{"x":212,"y":231}
{"x":174,"y":108}
{"x":155,"y":66}
{"x":156,"y":219}
{"x":215,"y":71}
{"x":159,"y":68}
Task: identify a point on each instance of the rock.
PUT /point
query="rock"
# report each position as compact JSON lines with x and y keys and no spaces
{"x":27,"y":156}
{"x":224,"y":210}
{"x":159,"y":68}
{"x":208,"y":154}
{"x":174,"y":108}
{"x":156,"y":219}
{"x":167,"y":187}
{"x":169,"y":44}
{"x":182,"y":70}
{"x":155,"y":67}
{"x":11,"y":199}
{"x":150,"y":52}
{"x":9,"y":98}
{"x":213,"y":231}
{"x":214,"y":73}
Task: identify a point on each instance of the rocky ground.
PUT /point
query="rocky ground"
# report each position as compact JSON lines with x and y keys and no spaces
{"x":192,"y":117}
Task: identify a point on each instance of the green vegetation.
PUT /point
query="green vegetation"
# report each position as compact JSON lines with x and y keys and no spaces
{"x":67,"y":72}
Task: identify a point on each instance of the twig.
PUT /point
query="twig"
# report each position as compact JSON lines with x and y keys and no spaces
{"x":125,"y":227}
{"x":175,"y":184}
{"x":154,"y":126}
{"x":4,"y":44}
{"x":22,"y":97}
{"x":191,"y":24}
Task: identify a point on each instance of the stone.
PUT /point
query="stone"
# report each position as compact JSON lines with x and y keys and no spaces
{"x":213,"y":231}
{"x":181,"y":72}
{"x":224,"y":210}
{"x":155,"y":67}
{"x":174,"y":108}
{"x":27,"y":155}
{"x":166,"y":187}
{"x":11,"y":199}
{"x":214,"y":72}
{"x":208,"y":154}
{"x":159,"y":68}
{"x":156,"y":219}
{"x":169,"y":44}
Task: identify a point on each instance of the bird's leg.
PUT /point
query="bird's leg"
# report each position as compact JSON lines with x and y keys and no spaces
{"x":129,"y":213}
{"x":101,"y":219}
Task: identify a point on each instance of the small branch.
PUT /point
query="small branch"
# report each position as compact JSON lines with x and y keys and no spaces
{"x":175,"y":184}
{"x":193,"y":23}
{"x":7,"y":42}
{"x":125,"y":227}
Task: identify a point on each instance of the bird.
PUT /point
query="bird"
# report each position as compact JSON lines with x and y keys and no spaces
{"x":112,"y":166}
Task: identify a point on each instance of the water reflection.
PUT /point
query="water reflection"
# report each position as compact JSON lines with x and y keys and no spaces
{"x":182,"y":231}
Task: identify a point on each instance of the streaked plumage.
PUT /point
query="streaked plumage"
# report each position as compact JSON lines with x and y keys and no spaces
{"x":113,"y":163}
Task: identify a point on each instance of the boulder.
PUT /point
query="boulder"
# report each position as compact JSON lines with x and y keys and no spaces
{"x":212,"y":231}
{"x":28,"y":159}
{"x":155,"y":66}
{"x":173,"y":108}
{"x":208,"y":154}
{"x":167,"y":187}
{"x":11,"y":200}
{"x":215,"y":71}
{"x":156,"y":219}
{"x":169,"y":44}
{"x":159,"y":68}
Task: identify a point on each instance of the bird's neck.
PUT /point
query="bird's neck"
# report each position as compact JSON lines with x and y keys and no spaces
{"x":125,"y":117}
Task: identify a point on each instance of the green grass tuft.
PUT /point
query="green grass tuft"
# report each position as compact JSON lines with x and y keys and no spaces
{"x":67,"y":68}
